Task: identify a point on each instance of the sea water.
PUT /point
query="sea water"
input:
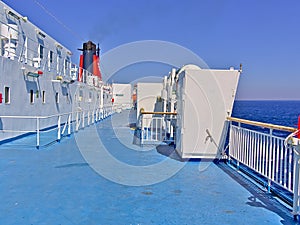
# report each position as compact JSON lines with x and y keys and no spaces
{"x":276,"y":112}
{"x":284,"y":113}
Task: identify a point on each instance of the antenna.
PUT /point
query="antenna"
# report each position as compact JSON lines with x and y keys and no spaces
{"x":98,"y":50}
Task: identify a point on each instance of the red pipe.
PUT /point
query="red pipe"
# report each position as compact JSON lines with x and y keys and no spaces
{"x":80,"y":68}
{"x":96,"y":70}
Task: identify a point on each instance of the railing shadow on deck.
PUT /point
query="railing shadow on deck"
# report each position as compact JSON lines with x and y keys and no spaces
{"x":273,"y":159}
{"x":258,"y":196}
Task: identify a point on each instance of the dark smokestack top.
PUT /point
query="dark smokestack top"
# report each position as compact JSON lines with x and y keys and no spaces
{"x":89,"y":46}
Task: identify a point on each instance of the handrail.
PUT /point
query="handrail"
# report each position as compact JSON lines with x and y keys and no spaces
{"x":159,"y":113}
{"x":274,"y":158}
{"x":90,"y":116}
{"x":261,"y":124}
{"x":49,"y":116}
{"x":152,"y":130}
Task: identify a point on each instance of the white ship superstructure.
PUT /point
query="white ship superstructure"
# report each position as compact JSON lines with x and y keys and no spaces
{"x":192,"y":110}
{"x":187,"y":115}
{"x":38,"y":79}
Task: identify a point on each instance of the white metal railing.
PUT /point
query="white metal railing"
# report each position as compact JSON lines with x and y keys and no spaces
{"x":152,"y":130}
{"x":273,"y":157}
{"x":63,"y":124}
{"x":294,"y":142}
{"x":155,"y":127}
{"x":264,"y":153}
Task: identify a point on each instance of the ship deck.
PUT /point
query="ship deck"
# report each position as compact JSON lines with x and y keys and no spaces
{"x":56,"y":185}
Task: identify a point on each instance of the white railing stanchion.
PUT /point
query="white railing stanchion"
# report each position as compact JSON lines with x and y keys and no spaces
{"x":69,"y":124}
{"x":58,"y":128}
{"x":77,"y":122}
{"x":269,"y":150}
{"x":296,"y":193}
{"x":37,"y":132}
{"x":230,"y":143}
{"x":83,"y":118}
{"x":171,"y":128}
{"x":93,"y":116}
{"x":142,"y":129}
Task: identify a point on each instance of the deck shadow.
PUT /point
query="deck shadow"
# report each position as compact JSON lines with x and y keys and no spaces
{"x":259,"y":198}
{"x":170,"y":152}
{"x":72,"y":165}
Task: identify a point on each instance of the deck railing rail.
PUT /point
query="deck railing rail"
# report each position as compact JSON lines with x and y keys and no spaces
{"x":275,"y":158}
{"x":66,"y":123}
{"x":156,"y":127}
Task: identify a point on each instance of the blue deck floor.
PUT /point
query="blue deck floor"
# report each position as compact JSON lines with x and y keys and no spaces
{"x":55,"y":185}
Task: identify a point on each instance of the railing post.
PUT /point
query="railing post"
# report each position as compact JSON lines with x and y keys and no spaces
{"x":96,"y":115}
{"x":142,"y":129}
{"x":83,"y":118}
{"x":58,"y":129}
{"x":229,"y":158}
{"x":238,"y":162}
{"x":171,"y":128}
{"x":69,"y":124}
{"x":270,"y":163}
{"x":93,"y":116}
{"x":76,"y":125}
{"x":296,"y":149}
{"x":37,"y":132}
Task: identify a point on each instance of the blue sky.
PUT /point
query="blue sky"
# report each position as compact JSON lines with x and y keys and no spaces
{"x":263,"y":35}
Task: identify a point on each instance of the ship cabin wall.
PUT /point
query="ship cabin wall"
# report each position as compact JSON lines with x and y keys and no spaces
{"x":37,"y":77}
{"x":204,"y":100}
{"x":148,"y":97}
{"x":122,"y":96}
{"x":24,"y":42}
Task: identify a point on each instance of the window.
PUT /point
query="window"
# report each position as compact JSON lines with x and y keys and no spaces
{"x":31,"y":97}
{"x":65,"y":66}
{"x":25,"y":51}
{"x":50,"y":56}
{"x":67,"y":98}
{"x":58,"y":57}
{"x":44,"y":97}
{"x":7,"y":95}
{"x":57,"y":64}
{"x":57,"y":97}
{"x":50,"y":59}
{"x":41,"y":51}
